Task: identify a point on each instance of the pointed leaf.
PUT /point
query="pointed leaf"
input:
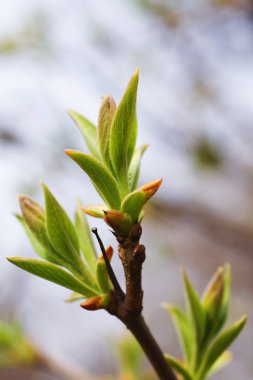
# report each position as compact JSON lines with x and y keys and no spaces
{"x":133,"y":203}
{"x":39,"y":249}
{"x":88,"y":131}
{"x":197,"y":311}
{"x":123,"y":133}
{"x":134,"y":169}
{"x":101,"y":271}
{"x":178,"y":367}
{"x":225,"y":300}
{"x":85,"y":239}
{"x":218,"y":346}
{"x":213,"y":295}
{"x":224,"y":359}
{"x":96,"y":211}
{"x":53,"y":273}
{"x":60,"y":229}
{"x":74,"y":296}
{"x":102,"y":179}
{"x":35,"y":225}
{"x":106,"y":114}
{"x":183,"y":328}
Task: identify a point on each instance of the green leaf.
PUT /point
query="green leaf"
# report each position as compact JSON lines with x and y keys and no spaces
{"x":53,"y":273}
{"x":183,"y":328}
{"x":134,"y":168}
{"x":133,"y":203}
{"x":102,"y":273}
{"x":74,"y":297}
{"x":35,"y":226}
{"x":197,"y":311}
{"x":123,"y":134}
{"x":178,"y":367}
{"x":88,"y":131}
{"x":85,"y":239}
{"x":218,"y":346}
{"x":225,"y":300}
{"x":102,"y":179}
{"x":224,"y":359}
{"x":39,"y":249}
{"x":60,"y":230}
{"x":97,"y":211}
{"x":106,"y":114}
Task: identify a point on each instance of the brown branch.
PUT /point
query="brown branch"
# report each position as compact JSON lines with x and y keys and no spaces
{"x":129,"y":308}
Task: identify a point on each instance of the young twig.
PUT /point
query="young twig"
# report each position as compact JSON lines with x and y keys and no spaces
{"x":129,"y":308}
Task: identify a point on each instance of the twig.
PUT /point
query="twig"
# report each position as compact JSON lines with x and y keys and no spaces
{"x":129,"y":308}
{"x":110,"y":271}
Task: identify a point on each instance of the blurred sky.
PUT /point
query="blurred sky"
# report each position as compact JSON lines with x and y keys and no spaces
{"x":194,"y":109}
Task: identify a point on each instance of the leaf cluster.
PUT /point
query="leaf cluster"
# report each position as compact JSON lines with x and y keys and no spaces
{"x":199,"y":327}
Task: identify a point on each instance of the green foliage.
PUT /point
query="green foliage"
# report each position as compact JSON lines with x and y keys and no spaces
{"x":15,"y":349}
{"x":203,"y":346}
{"x":69,"y":258}
{"x":88,"y":131}
{"x":114,"y":166}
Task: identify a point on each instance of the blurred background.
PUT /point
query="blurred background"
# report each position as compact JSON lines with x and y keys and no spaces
{"x":194,"y":110}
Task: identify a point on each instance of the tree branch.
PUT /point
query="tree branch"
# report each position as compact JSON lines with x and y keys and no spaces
{"x":129,"y":308}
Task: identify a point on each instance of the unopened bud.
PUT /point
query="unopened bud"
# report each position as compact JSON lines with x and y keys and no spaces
{"x":96,"y":303}
{"x":119,"y":221}
{"x":213,"y":295}
{"x":34,"y":216}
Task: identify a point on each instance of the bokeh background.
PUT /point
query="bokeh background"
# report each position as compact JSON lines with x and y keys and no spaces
{"x":194,"y":110}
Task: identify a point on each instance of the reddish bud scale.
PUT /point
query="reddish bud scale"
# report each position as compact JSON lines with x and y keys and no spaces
{"x":119,"y":221}
{"x":151,"y":188}
{"x":109,"y":253}
{"x":96,"y":303}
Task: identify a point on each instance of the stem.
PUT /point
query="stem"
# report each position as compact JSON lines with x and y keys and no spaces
{"x":129,"y":308}
{"x":151,"y":348}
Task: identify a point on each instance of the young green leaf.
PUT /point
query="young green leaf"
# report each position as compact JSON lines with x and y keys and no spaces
{"x":95,"y":210}
{"x":74,"y":296}
{"x":184,"y":331}
{"x":88,"y":131}
{"x":35,"y":225}
{"x":197,"y":311}
{"x":102,"y":273}
{"x":134,"y":168}
{"x":218,"y":346}
{"x":223,"y":312}
{"x":133,"y":203}
{"x":102,"y":179}
{"x":60,"y":229}
{"x":39,"y":249}
{"x":123,"y":133}
{"x":106,"y":114}
{"x":53,"y":273}
{"x":178,"y":367}
{"x":85,"y":239}
{"x":224,"y":359}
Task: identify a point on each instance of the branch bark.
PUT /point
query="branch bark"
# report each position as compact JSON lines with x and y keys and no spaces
{"x":129,"y":308}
